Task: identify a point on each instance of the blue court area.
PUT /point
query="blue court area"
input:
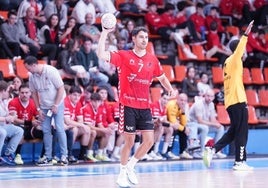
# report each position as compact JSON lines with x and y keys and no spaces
{"x":33,"y":172}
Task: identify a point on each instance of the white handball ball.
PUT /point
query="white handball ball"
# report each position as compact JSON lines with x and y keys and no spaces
{"x":108,"y":20}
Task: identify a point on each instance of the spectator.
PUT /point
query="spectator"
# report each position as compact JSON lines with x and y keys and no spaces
{"x":48,"y":93}
{"x":202,"y":120}
{"x":15,"y":40}
{"x":57,"y":7}
{"x":88,"y":30}
{"x":81,"y":9}
{"x":203,"y":84}
{"x":26,"y":118}
{"x":189,"y":84}
{"x":70,"y":63}
{"x":15,"y":86}
{"x":69,"y":32}
{"x":74,"y":129}
{"x":29,"y":28}
{"x":7,"y":128}
{"x":37,"y":6}
{"x":126,"y":33}
{"x":165,"y":25}
{"x":104,"y":6}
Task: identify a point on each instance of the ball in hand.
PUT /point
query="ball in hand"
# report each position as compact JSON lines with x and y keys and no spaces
{"x":108,"y":21}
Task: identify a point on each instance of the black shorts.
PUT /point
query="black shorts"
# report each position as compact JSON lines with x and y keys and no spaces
{"x":136,"y":119}
{"x":32,"y":133}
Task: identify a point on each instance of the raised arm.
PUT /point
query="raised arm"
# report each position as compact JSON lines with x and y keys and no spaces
{"x":101,"y":52}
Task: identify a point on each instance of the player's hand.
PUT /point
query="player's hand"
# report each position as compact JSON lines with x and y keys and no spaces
{"x":172,"y":93}
{"x":250,"y":25}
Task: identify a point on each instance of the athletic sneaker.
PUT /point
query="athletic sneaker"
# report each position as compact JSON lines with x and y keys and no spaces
{"x":220,"y":155}
{"x":155,"y":156}
{"x":8,"y":159}
{"x":207,"y":156}
{"x":63,"y":161}
{"x":90,"y":158}
{"x":186,"y":155}
{"x":55,"y":160}
{"x":103,"y":158}
{"x":115,"y":157}
{"x":72,"y":159}
{"x":242,"y":166}
{"x":44,"y":161}
{"x":172,"y":155}
{"x":131,"y":174}
{"x":18,"y":160}
{"x":122,"y":179}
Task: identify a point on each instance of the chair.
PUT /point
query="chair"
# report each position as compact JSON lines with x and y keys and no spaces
{"x":4,"y":14}
{"x":257,"y":76}
{"x":182,"y":56}
{"x":234,"y":30}
{"x":169,"y":72}
{"x":7,"y":68}
{"x":263,"y":96}
{"x":21,"y":70}
{"x":217,"y":75}
{"x":180,"y":72}
{"x":247,"y":80}
{"x":222,"y":116}
{"x":199,"y":51}
{"x":252,"y":97}
{"x":252,"y":117}
{"x":265,"y":73}
{"x":155,"y":93}
{"x":150,"y":49}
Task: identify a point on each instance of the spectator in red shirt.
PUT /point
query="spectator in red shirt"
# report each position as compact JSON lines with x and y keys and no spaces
{"x":257,"y":54}
{"x":261,"y":12}
{"x":214,"y":46}
{"x":198,"y":18}
{"x":165,"y":25}
{"x":26,"y":117}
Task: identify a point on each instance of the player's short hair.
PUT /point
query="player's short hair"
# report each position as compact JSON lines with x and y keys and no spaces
{"x":136,"y":30}
{"x":233,"y":44}
{"x":30,"y":60}
{"x":75,"y":89}
{"x":24,"y":85}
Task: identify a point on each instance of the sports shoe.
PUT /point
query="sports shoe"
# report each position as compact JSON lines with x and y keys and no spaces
{"x":131,"y":174}
{"x":146,"y":157}
{"x":172,"y":155}
{"x":189,"y":54}
{"x":198,"y":155}
{"x":103,"y":158}
{"x":207,"y":156}
{"x":242,"y":166}
{"x":55,"y":160}
{"x":115,"y":157}
{"x":155,"y":156}
{"x":122,"y":179}
{"x":220,"y":155}
{"x":63,"y":161}
{"x":44,"y":161}
{"x":72,"y":159}
{"x":186,"y":155}
{"x":90,"y":158}
{"x":18,"y":160}
{"x":8,"y":159}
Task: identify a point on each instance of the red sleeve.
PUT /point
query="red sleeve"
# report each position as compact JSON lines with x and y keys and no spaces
{"x":253,"y":45}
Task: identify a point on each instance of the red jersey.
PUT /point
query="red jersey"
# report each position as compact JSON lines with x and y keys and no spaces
{"x":209,"y":19}
{"x":260,"y":3}
{"x":198,"y":20}
{"x":23,"y":112}
{"x":213,"y":39}
{"x":90,"y":115}
{"x":106,"y":114}
{"x":153,"y":19}
{"x":157,"y":109}
{"x":135,"y":77}
{"x":226,"y":7}
{"x":253,"y":45}
{"x":71,"y":110}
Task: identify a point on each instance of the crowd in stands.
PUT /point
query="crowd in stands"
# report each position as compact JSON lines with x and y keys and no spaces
{"x":66,"y":33}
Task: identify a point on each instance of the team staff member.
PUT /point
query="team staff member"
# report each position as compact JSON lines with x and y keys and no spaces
{"x":136,"y":68}
{"x":235,"y":102}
